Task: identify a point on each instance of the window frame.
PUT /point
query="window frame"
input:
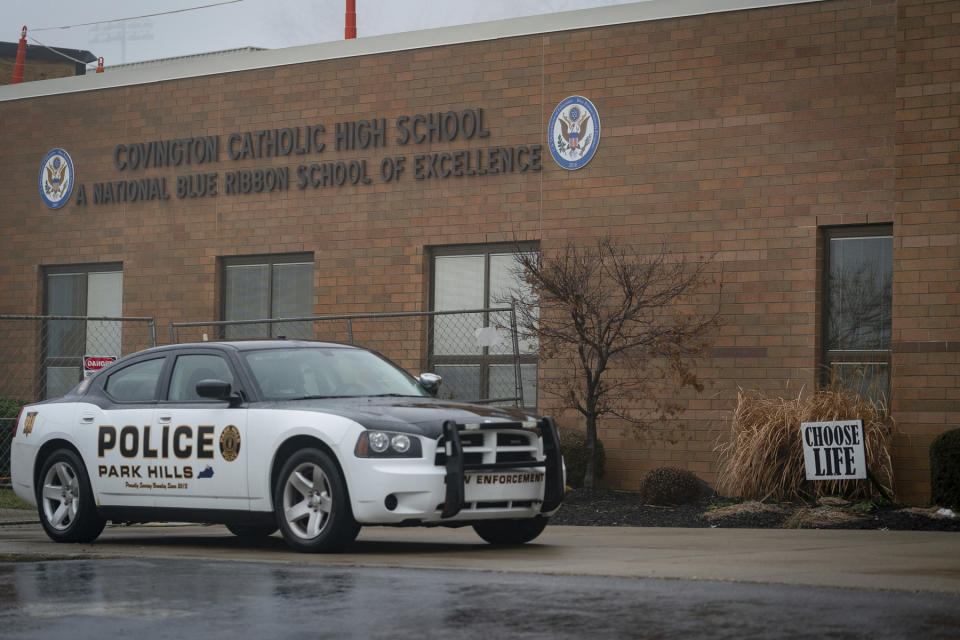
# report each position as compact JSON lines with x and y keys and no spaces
{"x":827,"y":357}
{"x":485,"y":360}
{"x":270,"y":260}
{"x":46,"y":271}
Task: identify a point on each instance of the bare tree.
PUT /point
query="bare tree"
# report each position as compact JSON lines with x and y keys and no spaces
{"x":613,"y":320}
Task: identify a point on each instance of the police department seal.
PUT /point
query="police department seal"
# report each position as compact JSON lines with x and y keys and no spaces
{"x":230,"y":443}
{"x":574,"y":132}
{"x":56,"y":178}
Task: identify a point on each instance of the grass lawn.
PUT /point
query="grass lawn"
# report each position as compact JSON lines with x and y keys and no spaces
{"x":9,"y":500}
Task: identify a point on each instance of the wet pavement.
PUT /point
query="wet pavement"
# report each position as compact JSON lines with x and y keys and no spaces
{"x":572,"y":582}
{"x":178,"y":598}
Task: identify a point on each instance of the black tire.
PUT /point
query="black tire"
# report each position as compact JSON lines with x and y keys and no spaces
{"x":312,"y":504}
{"x":65,"y":502}
{"x":511,"y":531}
{"x":254,"y":530}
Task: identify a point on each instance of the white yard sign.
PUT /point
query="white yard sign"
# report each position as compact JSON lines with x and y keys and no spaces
{"x":834,"y":450}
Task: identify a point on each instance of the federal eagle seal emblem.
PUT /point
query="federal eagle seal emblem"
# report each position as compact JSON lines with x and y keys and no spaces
{"x":230,"y":443}
{"x":574,"y":132}
{"x":56,"y":178}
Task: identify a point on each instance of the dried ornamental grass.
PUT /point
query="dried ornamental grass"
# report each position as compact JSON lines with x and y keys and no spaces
{"x":764,"y":455}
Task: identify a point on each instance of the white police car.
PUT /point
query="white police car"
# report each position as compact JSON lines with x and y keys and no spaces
{"x":317,"y":439}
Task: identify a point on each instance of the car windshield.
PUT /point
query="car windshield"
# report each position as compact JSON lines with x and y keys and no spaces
{"x":328,"y":372}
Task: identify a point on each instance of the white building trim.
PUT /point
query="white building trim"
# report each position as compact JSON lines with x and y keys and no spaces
{"x":514,"y":27}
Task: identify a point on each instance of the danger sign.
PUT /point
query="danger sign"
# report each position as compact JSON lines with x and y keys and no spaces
{"x":93,"y":364}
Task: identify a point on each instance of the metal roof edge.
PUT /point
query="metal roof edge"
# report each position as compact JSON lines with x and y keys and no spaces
{"x":406,"y":41}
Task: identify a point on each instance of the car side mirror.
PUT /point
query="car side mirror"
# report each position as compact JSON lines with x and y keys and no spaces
{"x":218,"y":390}
{"x":430,"y":382}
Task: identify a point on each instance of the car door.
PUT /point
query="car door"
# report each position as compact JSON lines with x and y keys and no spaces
{"x":206,"y":462}
{"x":115,"y":426}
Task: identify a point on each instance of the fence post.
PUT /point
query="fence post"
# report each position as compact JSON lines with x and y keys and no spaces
{"x":517,"y":379}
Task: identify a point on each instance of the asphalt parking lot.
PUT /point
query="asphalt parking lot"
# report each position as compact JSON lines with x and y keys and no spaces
{"x":889,"y":560}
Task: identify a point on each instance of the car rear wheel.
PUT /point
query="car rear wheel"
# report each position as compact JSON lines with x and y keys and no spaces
{"x":511,"y":531}
{"x":312,"y":504}
{"x":65,"y":500}
{"x":251,"y":530}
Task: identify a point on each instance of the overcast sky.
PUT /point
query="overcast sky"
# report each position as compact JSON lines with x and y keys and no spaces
{"x":269,"y":24}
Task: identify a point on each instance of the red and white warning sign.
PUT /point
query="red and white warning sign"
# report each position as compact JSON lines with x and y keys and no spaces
{"x":92,"y":364}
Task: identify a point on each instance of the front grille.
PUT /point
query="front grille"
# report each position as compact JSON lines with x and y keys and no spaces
{"x":493,"y":445}
{"x":501,"y":505}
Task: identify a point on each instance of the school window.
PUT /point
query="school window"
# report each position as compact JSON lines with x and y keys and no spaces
{"x":858,"y":294}
{"x":474,"y":356}
{"x":79,"y":291}
{"x":266,"y":287}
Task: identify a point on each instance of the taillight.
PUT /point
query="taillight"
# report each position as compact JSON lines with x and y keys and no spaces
{"x":16,"y":425}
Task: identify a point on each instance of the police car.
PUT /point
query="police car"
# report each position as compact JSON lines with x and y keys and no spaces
{"x":316,"y":439}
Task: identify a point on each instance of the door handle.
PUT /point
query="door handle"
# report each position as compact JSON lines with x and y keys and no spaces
{"x":87,"y":418}
{"x":164,"y":418}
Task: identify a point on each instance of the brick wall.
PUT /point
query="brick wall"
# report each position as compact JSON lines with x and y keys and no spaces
{"x":926,"y":295}
{"x":738,"y":135}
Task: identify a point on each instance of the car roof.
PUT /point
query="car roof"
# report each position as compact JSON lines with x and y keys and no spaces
{"x":240,"y":346}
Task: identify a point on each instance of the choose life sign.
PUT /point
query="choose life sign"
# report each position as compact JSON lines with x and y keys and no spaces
{"x":834,"y":450}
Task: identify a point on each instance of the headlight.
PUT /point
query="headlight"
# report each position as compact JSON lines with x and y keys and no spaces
{"x":400,"y":443}
{"x":382,"y":444}
{"x":379,"y":442}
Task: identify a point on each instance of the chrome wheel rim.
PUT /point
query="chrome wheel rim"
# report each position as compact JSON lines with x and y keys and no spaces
{"x":61,"y":496}
{"x":307,"y":502}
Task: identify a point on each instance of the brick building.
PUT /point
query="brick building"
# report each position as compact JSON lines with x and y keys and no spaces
{"x":793,"y":140}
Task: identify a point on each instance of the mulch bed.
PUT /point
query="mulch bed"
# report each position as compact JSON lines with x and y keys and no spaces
{"x":601,"y":507}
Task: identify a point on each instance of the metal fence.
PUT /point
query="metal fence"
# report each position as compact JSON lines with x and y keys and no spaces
{"x":45,"y":356}
{"x":477,"y":351}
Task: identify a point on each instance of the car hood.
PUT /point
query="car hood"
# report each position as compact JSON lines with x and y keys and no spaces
{"x":414,"y":415}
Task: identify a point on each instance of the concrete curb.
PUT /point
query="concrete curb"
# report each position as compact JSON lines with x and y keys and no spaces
{"x":10,"y":517}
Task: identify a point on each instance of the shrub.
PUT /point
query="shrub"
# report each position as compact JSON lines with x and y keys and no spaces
{"x":9,"y":408}
{"x":945,"y":469}
{"x":573,"y":446}
{"x":763,"y":457}
{"x":671,"y":486}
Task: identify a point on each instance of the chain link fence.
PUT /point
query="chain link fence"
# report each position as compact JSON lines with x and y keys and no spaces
{"x":477,"y":351}
{"x":45,"y":356}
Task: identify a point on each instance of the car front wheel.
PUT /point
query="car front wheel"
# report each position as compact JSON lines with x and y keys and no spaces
{"x":312,"y":505}
{"x":510,"y":531}
{"x":65,"y":500}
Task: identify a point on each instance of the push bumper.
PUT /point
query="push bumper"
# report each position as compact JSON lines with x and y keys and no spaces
{"x":448,"y":486}
{"x":457,"y":467}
